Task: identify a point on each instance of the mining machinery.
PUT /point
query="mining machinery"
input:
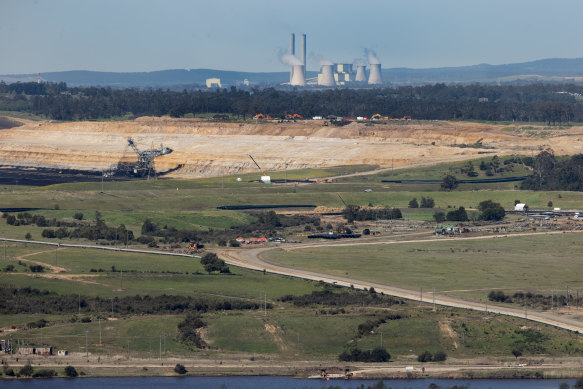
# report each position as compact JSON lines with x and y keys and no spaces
{"x":264,"y":178}
{"x":144,"y":167}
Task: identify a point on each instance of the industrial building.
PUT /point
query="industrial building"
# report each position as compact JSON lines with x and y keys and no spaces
{"x":331,"y":74}
{"x":213,"y":83}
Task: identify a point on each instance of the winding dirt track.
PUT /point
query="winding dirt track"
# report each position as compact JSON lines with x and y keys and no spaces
{"x":253,"y":259}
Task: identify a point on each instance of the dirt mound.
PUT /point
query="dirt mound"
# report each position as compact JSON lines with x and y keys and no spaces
{"x":207,"y":148}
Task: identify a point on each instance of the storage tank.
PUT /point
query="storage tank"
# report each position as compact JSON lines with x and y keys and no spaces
{"x":298,"y":76}
{"x":326,"y":77}
{"x":360,"y":73}
{"x":374,"y":78}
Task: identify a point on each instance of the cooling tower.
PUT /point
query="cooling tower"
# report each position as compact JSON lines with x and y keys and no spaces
{"x":326,"y":77}
{"x":303,"y":43}
{"x":360,"y":73}
{"x":298,"y":78}
{"x":374,"y":77}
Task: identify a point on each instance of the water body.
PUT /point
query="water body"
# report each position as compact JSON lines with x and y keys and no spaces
{"x":266,"y":383}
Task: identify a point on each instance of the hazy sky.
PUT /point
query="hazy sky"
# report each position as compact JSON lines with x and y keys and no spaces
{"x":247,"y":35}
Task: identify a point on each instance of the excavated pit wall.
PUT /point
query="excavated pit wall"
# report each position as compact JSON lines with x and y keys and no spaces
{"x":211,"y":149}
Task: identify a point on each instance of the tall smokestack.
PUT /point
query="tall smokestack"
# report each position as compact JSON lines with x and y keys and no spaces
{"x":326,"y":77}
{"x":303,"y":43}
{"x":374,"y":78}
{"x":360,"y":73}
{"x":298,"y":76}
{"x":292,"y":50}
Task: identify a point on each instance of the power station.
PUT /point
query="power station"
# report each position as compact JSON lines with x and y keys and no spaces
{"x":331,"y":74}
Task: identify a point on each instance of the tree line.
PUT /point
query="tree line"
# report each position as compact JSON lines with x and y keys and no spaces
{"x":31,"y":300}
{"x":550,"y":103}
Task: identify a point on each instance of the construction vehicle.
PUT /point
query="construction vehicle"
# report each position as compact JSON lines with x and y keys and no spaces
{"x":194,"y":246}
{"x":293,"y":117}
{"x":378,"y":116}
{"x":347,"y":374}
{"x":264,"y":177}
{"x":261,"y":116}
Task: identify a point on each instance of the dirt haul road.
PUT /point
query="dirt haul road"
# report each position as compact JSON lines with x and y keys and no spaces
{"x":253,"y":259}
{"x":207,"y":148}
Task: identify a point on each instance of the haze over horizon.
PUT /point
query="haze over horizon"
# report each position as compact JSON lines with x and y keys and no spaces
{"x":135,"y":36}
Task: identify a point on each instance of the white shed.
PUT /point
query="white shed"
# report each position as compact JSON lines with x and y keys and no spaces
{"x":520,"y":207}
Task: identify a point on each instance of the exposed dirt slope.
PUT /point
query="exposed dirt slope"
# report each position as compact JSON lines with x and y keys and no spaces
{"x":211,"y":148}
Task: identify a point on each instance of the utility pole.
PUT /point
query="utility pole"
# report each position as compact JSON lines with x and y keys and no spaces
{"x":421,"y":294}
{"x":79,"y":303}
{"x":56,"y":254}
{"x":265,"y":303}
{"x":128,"y":350}
{"x":112,"y":308}
{"x":100,"y":331}
{"x":434,"y":301}
{"x":552,"y":300}
{"x":127,"y":232}
{"x":121,"y":279}
{"x":102,"y":175}
{"x":4,"y":250}
{"x":86,"y":345}
{"x":567,"y":297}
{"x":160,"y":347}
{"x":381,"y":340}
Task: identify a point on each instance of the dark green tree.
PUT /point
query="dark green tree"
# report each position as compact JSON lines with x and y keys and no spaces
{"x":449,"y":183}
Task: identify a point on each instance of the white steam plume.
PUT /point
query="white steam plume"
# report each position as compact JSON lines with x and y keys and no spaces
{"x":288,"y":59}
{"x":372,"y":57}
{"x":359,"y":62}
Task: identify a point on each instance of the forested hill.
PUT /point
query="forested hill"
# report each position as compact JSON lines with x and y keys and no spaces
{"x":552,"y":70}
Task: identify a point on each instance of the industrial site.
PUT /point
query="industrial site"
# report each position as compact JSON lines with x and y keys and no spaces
{"x":331,"y":74}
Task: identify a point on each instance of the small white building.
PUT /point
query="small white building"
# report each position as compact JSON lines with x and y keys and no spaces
{"x":213,"y":83}
{"x":520,"y":207}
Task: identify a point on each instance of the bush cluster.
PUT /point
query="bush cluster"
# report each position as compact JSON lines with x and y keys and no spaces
{"x":357,"y":355}
{"x":188,"y":330}
{"x":426,"y":356}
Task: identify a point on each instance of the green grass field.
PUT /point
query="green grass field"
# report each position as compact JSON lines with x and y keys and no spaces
{"x":466,"y":268}
{"x":469,"y":269}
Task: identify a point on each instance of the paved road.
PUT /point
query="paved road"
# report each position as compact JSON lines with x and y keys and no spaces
{"x":252,"y":259}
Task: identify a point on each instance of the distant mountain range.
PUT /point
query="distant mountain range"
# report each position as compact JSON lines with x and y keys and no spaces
{"x":545,"y":70}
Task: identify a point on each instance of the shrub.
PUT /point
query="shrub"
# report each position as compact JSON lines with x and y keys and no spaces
{"x":70,"y":371}
{"x":180,"y":369}
{"x":425,"y":356}
{"x":427,"y":202}
{"x":26,"y":370}
{"x":78,"y":216}
{"x":439,"y":356}
{"x":28,"y":236}
{"x":45,"y":373}
{"x":491,"y":210}
{"x":211,"y":263}
{"x":36,"y":268}
{"x":413,"y":203}
{"x":357,"y":355}
{"x":439,"y":216}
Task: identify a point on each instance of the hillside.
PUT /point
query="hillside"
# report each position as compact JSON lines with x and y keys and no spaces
{"x":548,"y":70}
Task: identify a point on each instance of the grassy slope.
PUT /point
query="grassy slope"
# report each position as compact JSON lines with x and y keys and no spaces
{"x":467,"y":268}
{"x":516,"y":263}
